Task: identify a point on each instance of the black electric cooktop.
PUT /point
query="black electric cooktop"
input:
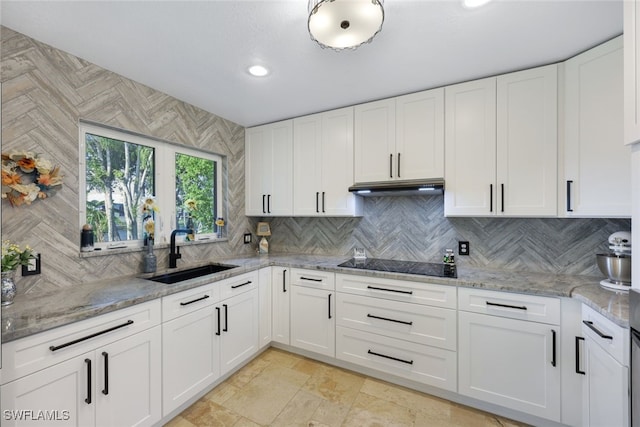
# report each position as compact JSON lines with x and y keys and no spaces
{"x":407,"y":267}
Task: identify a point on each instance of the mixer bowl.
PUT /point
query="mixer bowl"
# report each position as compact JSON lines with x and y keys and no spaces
{"x":617,"y":268}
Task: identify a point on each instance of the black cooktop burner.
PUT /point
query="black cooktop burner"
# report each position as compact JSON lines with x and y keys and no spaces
{"x":407,"y":267}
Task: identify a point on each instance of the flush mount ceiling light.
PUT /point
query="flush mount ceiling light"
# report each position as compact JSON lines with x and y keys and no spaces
{"x":258,"y":70}
{"x":344,"y":24}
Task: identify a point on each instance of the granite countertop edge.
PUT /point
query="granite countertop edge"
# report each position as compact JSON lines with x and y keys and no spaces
{"x":29,"y":315}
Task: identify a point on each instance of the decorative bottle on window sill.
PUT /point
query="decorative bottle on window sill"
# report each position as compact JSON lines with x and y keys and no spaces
{"x":219,"y":226}
{"x":190,"y":237}
{"x":149,"y":259}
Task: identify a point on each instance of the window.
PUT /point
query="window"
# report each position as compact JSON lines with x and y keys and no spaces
{"x":119,"y":171}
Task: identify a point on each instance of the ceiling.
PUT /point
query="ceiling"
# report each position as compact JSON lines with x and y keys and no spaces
{"x":198,"y":51}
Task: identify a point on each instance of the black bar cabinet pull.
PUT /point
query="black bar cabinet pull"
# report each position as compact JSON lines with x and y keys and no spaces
{"x":569,"y":209}
{"x":268,"y":203}
{"x":88,"y":399}
{"x":58,"y":347}
{"x":553,"y":348}
{"x":218,"y":314}
{"x":578,"y":371}
{"x":284,"y":280}
{"x":502,"y":196}
{"x":408,"y":362}
{"x":226,"y":318}
{"x":241,"y":284}
{"x":596,"y":330}
{"x":390,"y":290}
{"x":309,"y":278}
{"x":263,"y":204}
{"x":398,"y":165}
{"x":517,"y":307}
{"x":490,"y":197}
{"x":329,"y":306}
{"x":105,"y":390}
{"x":195,"y":300}
{"x":390,"y":165}
{"x":389,"y":320}
{"x":323,"y":202}
{"x":317,"y":202}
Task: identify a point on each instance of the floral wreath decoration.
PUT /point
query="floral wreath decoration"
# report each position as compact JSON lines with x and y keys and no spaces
{"x":27,"y":177}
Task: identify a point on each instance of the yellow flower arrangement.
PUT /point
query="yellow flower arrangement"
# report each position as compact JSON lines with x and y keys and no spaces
{"x":147,"y":209}
{"x":27,"y":177}
{"x":13,"y":256}
{"x":220,"y":222}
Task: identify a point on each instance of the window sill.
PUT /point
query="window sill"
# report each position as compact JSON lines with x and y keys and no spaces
{"x":132,"y":249}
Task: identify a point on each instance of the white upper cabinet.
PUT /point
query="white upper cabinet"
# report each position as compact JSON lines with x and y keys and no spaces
{"x":400,"y":138}
{"x":323,"y":165}
{"x":501,"y":145}
{"x":269,"y":169}
{"x":631,"y":72}
{"x":594,"y":155}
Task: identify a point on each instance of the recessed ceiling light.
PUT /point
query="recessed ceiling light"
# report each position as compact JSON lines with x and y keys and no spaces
{"x":258,"y":71}
{"x":471,"y":4}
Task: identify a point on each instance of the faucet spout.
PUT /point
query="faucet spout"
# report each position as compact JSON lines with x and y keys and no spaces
{"x":175,"y":254}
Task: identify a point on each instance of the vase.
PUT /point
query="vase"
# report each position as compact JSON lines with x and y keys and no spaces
{"x":8,"y":287}
{"x":149,"y":260}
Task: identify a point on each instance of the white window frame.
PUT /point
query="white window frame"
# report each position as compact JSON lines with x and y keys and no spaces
{"x":165,"y":182}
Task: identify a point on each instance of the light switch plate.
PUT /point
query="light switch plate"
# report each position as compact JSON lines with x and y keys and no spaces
{"x":33,"y":267}
{"x":247,"y":238}
{"x":463,"y":248}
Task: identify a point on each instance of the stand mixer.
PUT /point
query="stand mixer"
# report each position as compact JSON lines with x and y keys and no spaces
{"x":616,"y":265}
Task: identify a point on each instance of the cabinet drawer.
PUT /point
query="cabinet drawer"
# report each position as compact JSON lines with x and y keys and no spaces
{"x":188,"y":301}
{"x":237,"y":285}
{"x":29,"y":354}
{"x":424,"y":364}
{"x":612,"y":338}
{"x":313,"y":278}
{"x":506,"y":304}
{"x":421,"y":324}
{"x":399,"y":290}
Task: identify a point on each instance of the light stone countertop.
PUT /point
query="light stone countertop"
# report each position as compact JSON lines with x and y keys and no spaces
{"x":30,"y":314}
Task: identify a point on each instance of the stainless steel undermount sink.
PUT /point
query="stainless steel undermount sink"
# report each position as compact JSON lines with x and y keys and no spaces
{"x":191,"y":273}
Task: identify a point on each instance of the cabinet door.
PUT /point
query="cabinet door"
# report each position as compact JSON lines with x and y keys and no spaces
{"x":281,"y":290}
{"x":420,"y":135}
{"x":264,"y":284}
{"x":313,"y":320}
{"x":631,"y":71}
{"x":375,"y":141}
{"x":527,"y":142}
{"x":257,"y":169}
{"x":509,"y":363}
{"x":605,"y":395}
{"x":280,"y":195}
{"x":128,"y":380}
{"x":307,"y":164}
{"x":470,"y":148}
{"x":239,"y":329}
{"x":190,"y":356}
{"x":337,"y":164}
{"x":594,"y":153}
{"x":60,"y":390}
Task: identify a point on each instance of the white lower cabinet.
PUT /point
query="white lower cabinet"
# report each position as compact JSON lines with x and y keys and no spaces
{"x":505,"y":359}
{"x":280,"y":300}
{"x":605,"y":387}
{"x":265,"y":328}
{"x":105,"y":375}
{"x":238,"y":329}
{"x":313,"y":311}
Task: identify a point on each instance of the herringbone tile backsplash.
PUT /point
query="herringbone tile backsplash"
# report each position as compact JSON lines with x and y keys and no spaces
{"x":415,"y":229}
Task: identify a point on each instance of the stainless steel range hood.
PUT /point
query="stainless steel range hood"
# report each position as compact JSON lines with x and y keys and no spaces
{"x":424,"y":187}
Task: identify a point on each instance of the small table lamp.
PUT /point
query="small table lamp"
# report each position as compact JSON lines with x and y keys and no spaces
{"x":263,"y":230}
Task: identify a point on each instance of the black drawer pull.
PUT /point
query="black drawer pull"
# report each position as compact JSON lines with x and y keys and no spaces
{"x":309,"y":278}
{"x":569,"y":208}
{"x":218,"y":314}
{"x":329,"y":298}
{"x":58,"y":347}
{"x":390,"y":290}
{"x":578,"y":371}
{"x":389,"y":320}
{"x":195,"y":300}
{"x":553,"y":348}
{"x":105,"y":390}
{"x":226,"y":318}
{"x":517,"y":307}
{"x":408,"y":362}
{"x":596,"y":330}
{"x":88,"y":399}
{"x":242,"y":284}
{"x":284,"y":280}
